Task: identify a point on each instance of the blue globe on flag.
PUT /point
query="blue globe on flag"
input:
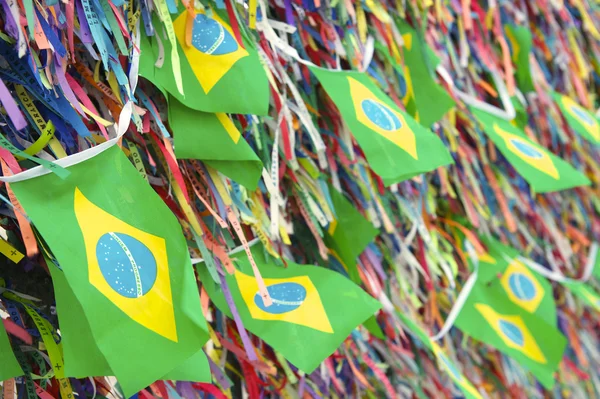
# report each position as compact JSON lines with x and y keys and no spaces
{"x":127,"y":265}
{"x":526,"y":149}
{"x":522,"y":286}
{"x":286,"y":297}
{"x":380,"y":115}
{"x":210,"y":37}
{"x":582,"y":115}
{"x":512,"y":332}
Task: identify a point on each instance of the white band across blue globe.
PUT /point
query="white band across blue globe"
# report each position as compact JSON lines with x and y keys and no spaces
{"x":522,"y":286}
{"x":380,"y":115}
{"x":512,"y":332}
{"x":286,"y":297}
{"x":127,"y":264}
{"x":582,"y":114}
{"x":210,"y":37}
{"x":526,"y":149}
{"x":134,"y":267}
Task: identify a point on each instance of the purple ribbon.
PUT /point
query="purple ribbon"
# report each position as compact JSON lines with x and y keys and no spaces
{"x":248,"y":347}
{"x":12,"y":109}
{"x":289,"y":16}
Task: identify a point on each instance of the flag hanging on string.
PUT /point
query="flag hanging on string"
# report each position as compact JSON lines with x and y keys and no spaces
{"x":214,"y":139}
{"x":77,"y":336}
{"x":520,"y":42}
{"x":489,"y":317}
{"x":314,"y":309}
{"x":579,"y":119}
{"x":121,"y":251}
{"x":424,"y":99}
{"x":544,"y":171}
{"x":396,"y":146}
{"x":347,"y":237}
{"x":214,"y":64}
{"x":521,"y":285}
{"x":348,"y":234}
{"x":585,"y":293}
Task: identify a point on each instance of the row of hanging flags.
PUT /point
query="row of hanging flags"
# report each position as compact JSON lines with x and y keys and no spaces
{"x":300,"y":198}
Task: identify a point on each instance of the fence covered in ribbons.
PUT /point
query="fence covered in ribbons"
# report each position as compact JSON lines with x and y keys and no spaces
{"x":299,"y":198}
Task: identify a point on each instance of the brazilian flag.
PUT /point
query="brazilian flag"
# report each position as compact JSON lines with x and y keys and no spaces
{"x":444,"y":362}
{"x":585,"y":293}
{"x":579,"y":119}
{"x":425,"y":100}
{"x":348,"y":234}
{"x":347,"y":237}
{"x":544,"y":171}
{"x":488,"y":317}
{"x":218,"y":72}
{"x":520,"y":41}
{"x":78,"y":338}
{"x":500,"y":265}
{"x":125,"y":268}
{"x":396,"y":146}
{"x":313,"y":311}
{"x":214,"y":139}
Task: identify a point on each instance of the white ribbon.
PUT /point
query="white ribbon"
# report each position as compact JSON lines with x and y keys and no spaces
{"x":80,"y":156}
{"x":232,"y":252}
{"x":508,"y":113}
{"x":462,"y":297}
{"x":557,"y":275}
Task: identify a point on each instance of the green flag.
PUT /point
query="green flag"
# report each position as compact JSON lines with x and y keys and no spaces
{"x":396,"y":146}
{"x":521,"y":117}
{"x":348,"y":234}
{"x":520,"y":41}
{"x":314,"y":309}
{"x":585,"y":293}
{"x":218,"y":73}
{"x":9,"y":367}
{"x":425,"y":100}
{"x":77,"y":338}
{"x":488,"y":317}
{"x":347,"y":237}
{"x":522,"y":286}
{"x":544,"y":171}
{"x":579,"y":119}
{"x":125,"y":260}
{"x":596,"y":267}
{"x":444,"y":362}
{"x":214,"y":139}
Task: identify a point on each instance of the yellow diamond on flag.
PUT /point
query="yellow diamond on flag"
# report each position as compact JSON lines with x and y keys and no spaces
{"x":295,"y":300}
{"x":128,"y":266}
{"x":513,"y":332}
{"x":213,"y":50}
{"x":522,"y":287}
{"x":514,"y":44}
{"x":582,"y":115}
{"x":381,"y":118}
{"x":229,"y":127}
{"x":486,"y":258}
{"x":533,"y":154}
{"x":332,"y":227}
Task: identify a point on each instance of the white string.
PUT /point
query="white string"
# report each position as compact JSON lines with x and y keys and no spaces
{"x":79,"y":157}
{"x":557,"y":275}
{"x":232,"y":252}
{"x":508,"y":113}
{"x":462,"y":297}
